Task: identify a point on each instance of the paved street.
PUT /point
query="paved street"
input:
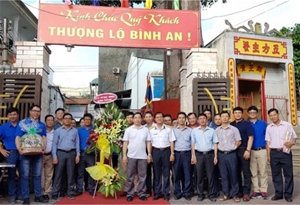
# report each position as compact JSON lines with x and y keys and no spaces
{"x":296,"y":198}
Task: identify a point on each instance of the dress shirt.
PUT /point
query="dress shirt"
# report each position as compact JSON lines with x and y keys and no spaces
{"x":8,"y":135}
{"x":161,"y":138}
{"x":84,"y":134}
{"x":183,"y":138}
{"x":204,"y":139}
{"x":228,"y":137}
{"x":65,"y":139}
{"x":49,"y":137}
{"x":137,"y":138}
{"x":276,"y":134}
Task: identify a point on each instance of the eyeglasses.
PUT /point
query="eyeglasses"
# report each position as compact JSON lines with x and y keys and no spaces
{"x":252,"y":112}
{"x":67,"y":118}
{"x":35,"y":110}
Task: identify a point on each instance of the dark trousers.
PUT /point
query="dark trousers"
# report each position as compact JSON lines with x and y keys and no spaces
{"x":205,"y":162}
{"x":149,"y":179}
{"x":243,"y":167}
{"x":14,"y":190}
{"x":217,"y":184}
{"x":182,"y":171}
{"x":86,"y":160}
{"x":281,"y":161}
{"x":228,"y":169}
{"x":161,"y":166}
{"x":193,"y":178}
{"x":66,"y":161}
{"x":115,"y":159}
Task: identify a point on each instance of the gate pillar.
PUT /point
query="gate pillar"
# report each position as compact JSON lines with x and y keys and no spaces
{"x":199,"y":60}
{"x":33,"y":57}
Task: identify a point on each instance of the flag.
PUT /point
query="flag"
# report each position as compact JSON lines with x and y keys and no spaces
{"x":176,"y":4}
{"x":148,"y":4}
{"x":148,"y":96}
{"x":125,"y":3}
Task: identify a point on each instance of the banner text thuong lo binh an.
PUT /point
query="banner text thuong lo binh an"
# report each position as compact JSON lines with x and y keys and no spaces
{"x":118,"y":27}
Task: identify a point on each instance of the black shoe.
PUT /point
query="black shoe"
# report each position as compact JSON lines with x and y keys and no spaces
{"x":78,"y":193}
{"x":124,"y":193}
{"x":213,"y":199}
{"x":200,"y":198}
{"x":148,"y":193}
{"x":289,"y":199}
{"x":188,"y":198}
{"x":54,"y":197}
{"x":276,"y":198}
{"x":143,"y":198}
{"x":167,"y":197}
{"x":92,"y":193}
{"x":177,"y":197}
{"x":26,"y":201}
{"x":62,"y":194}
{"x":46,"y":198}
{"x":156,"y":197}
{"x":71,"y":196}
{"x":40,"y":199}
{"x":129,"y":198}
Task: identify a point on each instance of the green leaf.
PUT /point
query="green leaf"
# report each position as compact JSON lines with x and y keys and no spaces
{"x":112,"y":190}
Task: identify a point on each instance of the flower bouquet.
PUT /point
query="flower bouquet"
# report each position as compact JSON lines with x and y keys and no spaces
{"x":111,"y":183}
{"x":107,"y":138}
{"x":31,"y":142}
{"x":112,"y":124}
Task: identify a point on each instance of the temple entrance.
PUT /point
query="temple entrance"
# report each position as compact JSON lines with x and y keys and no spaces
{"x":251,"y":92}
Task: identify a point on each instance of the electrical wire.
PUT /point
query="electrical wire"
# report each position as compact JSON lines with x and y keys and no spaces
{"x":243,"y":10}
{"x":262,"y":12}
{"x":237,"y":12}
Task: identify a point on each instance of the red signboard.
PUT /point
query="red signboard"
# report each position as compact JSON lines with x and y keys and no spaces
{"x":118,"y":27}
{"x":105,"y":98}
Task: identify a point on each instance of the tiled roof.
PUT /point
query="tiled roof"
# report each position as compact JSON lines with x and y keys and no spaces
{"x":77,"y":101}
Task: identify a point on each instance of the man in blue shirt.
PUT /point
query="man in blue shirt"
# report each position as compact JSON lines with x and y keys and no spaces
{"x":204,"y":155}
{"x":258,"y":158}
{"x":36,"y":161}
{"x":182,"y":163}
{"x":65,"y":153}
{"x":243,"y":152}
{"x":86,"y":160}
{"x":7,"y":134}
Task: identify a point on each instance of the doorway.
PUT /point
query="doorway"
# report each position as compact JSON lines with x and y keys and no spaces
{"x":251,"y":92}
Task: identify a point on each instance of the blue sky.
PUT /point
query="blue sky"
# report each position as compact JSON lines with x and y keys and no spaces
{"x":79,"y":67}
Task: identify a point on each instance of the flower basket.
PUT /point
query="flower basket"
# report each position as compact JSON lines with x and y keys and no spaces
{"x":31,"y":144}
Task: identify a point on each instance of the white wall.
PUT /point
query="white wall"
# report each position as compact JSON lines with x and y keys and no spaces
{"x":136,"y":78}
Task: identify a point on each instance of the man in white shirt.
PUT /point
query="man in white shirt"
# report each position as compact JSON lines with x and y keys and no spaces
{"x":163,"y":155}
{"x":136,"y":139}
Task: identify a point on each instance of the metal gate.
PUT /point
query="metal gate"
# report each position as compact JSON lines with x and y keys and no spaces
{"x":210,"y":88}
{"x":280,"y":103}
{"x":19,"y":90}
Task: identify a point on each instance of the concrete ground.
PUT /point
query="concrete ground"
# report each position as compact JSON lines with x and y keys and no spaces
{"x":296,"y":197}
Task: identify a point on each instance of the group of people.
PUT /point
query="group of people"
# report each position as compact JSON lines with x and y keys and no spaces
{"x":197,"y":154}
{"x":206,"y":157}
{"x":60,"y":169}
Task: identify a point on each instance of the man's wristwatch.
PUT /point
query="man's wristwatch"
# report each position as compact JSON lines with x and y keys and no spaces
{"x":149,"y":155}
